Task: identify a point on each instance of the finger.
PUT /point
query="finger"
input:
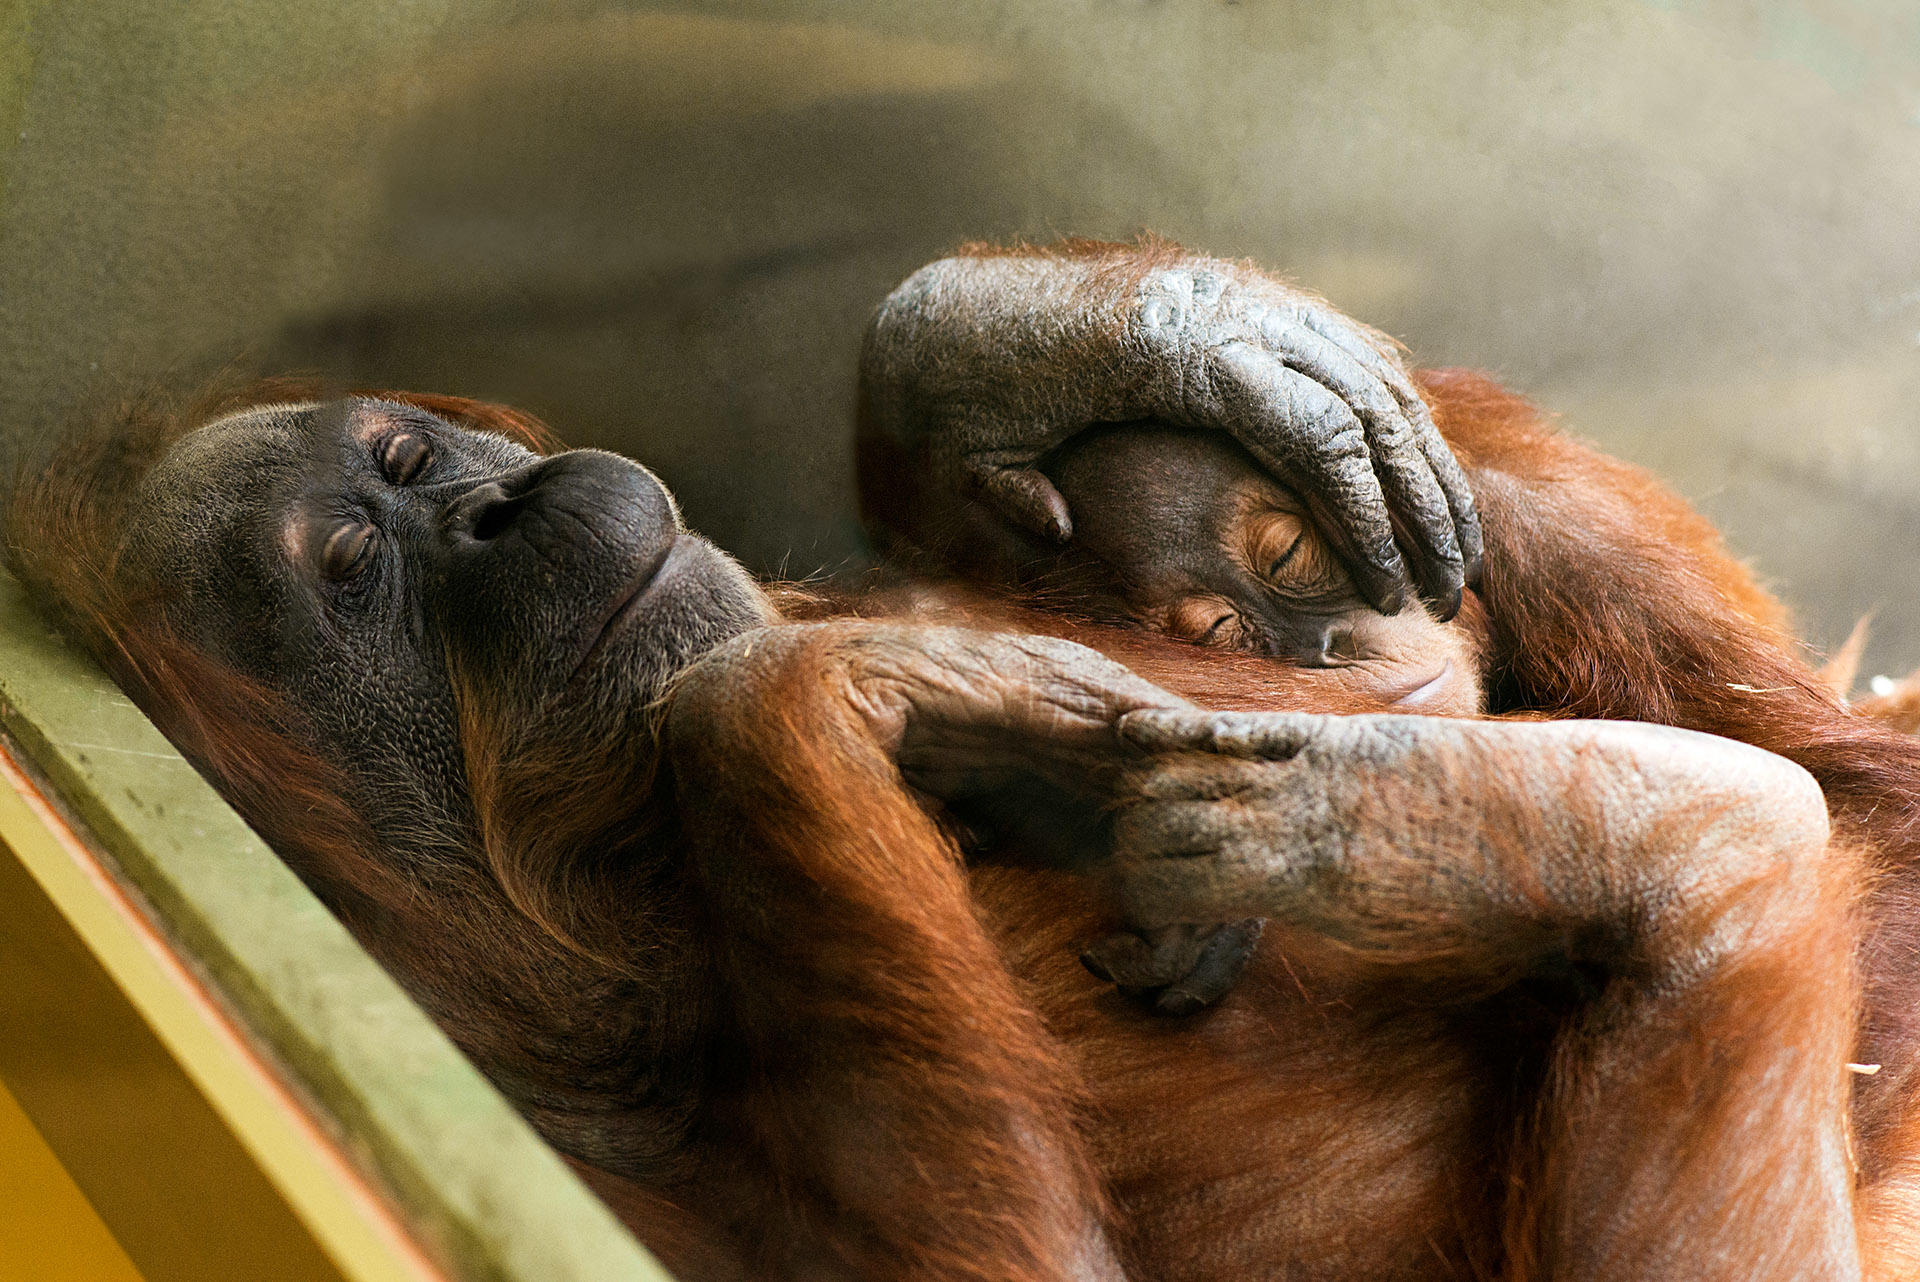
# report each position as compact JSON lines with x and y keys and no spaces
{"x":1413,"y":494}
{"x":1146,"y":959}
{"x":1168,"y":729}
{"x":1374,"y":350}
{"x":1021,"y":494}
{"x":1447,"y":533}
{"x":1222,"y":960}
{"x":1423,"y":520}
{"x":1357,"y":381}
{"x":1376,"y":355}
{"x":1305,"y":434}
{"x":1118,"y":959}
{"x":1267,"y":736}
{"x":1466,"y":516}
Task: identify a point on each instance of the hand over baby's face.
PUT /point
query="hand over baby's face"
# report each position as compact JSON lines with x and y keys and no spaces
{"x":1181,"y":532}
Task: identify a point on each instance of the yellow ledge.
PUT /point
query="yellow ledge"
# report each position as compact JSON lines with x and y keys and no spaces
{"x":197,"y":1155}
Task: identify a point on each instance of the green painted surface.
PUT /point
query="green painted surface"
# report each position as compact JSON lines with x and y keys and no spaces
{"x":493,"y":1200}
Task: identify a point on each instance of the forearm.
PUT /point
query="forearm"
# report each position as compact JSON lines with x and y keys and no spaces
{"x":1688,"y":880}
{"x":1475,"y":850}
{"x":891,"y":1082}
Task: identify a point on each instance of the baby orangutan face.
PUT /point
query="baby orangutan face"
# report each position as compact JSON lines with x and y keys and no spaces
{"x":1181,"y":531}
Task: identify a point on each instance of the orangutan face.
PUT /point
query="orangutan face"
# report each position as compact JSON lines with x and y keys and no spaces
{"x":1182,"y":532}
{"x":385,"y":572}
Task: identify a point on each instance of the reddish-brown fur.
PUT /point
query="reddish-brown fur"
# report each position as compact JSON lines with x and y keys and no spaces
{"x":1370,"y":1133}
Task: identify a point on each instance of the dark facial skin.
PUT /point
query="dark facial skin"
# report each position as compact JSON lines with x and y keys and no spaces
{"x":370,"y":561}
{"x":1181,"y":531}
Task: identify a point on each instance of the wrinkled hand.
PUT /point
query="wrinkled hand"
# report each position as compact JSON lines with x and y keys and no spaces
{"x":1234,"y":813}
{"x":1270,"y":813}
{"x":978,"y":365}
{"x":966,"y":714}
{"x":1176,"y":970}
{"x":1035,"y":723}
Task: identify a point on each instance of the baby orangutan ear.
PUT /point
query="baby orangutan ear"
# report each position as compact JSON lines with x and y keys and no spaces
{"x":1204,"y":620}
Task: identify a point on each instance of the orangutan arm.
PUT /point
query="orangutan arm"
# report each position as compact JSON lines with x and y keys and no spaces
{"x":1693,"y":1118}
{"x":911,"y":1116}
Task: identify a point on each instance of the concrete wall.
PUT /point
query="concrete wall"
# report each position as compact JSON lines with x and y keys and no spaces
{"x":1691,"y":226}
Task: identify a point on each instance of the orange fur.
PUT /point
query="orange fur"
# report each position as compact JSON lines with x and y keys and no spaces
{"x":1319,"y":1122}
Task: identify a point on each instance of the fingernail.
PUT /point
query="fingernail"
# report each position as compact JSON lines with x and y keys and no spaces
{"x":1095,"y":967}
{"x":1059,"y":519}
{"x":1389,"y":596}
{"x":1177,"y":1001}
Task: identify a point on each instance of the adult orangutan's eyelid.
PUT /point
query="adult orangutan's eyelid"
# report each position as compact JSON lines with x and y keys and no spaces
{"x":410,"y":467}
{"x":348,"y":550}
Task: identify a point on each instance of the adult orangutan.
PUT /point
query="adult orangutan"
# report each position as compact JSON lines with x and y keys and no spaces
{"x":1538,"y":999}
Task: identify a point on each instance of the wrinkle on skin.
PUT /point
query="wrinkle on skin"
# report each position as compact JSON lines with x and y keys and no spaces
{"x":1181,"y":532}
{"x":957,"y":379}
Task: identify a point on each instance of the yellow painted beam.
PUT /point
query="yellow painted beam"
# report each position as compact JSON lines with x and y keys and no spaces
{"x":194,"y":1151}
{"x":50,"y":1233}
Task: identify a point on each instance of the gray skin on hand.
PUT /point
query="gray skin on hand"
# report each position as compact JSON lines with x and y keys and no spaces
{"x":977,"y":366}
{"x":1395,"y":835}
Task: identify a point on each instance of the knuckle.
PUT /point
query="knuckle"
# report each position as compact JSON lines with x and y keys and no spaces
{"x":1379,"y":550}
{"x":1163,"y":303}
{"x":1331,"y":421}
{"x":1392,"y":436}
{"x":1338,"y":434}
{"x":1173,"y":308}
{"x":1414,"y":408}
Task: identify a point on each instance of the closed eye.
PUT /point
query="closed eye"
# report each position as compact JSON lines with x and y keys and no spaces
{"x":404,"y":456}
{"x":1280,"y":563}
{"x":1288,"y":556}
{"x":348,"y":550}
{"x":1203,"y":620}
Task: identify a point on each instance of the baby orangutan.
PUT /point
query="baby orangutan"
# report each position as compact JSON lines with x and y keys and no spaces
{"x":1181,"y":531}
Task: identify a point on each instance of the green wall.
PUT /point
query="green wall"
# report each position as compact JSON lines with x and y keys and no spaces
{"x":1691,"y":226}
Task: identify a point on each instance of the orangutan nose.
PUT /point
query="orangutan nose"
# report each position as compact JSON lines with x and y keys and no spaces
{"x":587,"y":493}
{"x":1340,"y":643}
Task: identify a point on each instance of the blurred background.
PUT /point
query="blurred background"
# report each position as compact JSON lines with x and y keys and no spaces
{"x":1689,"y":226}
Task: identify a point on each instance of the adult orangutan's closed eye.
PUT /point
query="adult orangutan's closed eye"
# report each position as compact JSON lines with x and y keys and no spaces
{"x":404,"y":456}
{"x":348,"y":550}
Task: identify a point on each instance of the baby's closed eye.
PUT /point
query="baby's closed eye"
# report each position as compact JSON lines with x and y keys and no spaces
{"x":1284,"y":551}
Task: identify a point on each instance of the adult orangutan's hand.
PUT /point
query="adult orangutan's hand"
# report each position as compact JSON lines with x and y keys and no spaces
{"x":979,"y":364}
